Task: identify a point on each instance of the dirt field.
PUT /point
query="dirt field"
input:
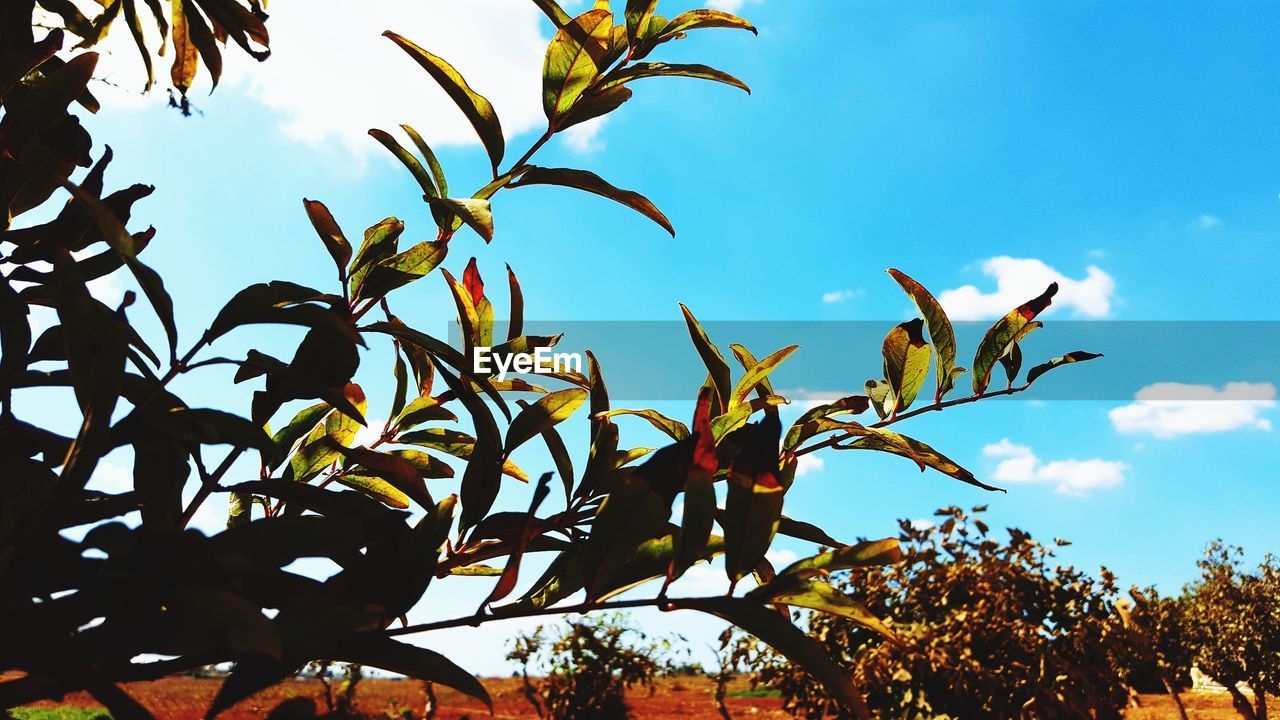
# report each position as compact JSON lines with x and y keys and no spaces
{"x":184,"y":698}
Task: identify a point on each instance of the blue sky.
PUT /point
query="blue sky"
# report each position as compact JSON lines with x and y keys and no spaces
{"x":1127,"y":150}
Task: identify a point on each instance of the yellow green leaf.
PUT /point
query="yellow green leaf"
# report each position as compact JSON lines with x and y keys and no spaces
{"x":572,"y":62}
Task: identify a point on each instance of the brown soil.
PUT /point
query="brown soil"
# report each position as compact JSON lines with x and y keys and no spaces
{"x":186,"y":698}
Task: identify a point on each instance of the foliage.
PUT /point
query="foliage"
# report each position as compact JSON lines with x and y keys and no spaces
{"x":70,"y":712}
{"x":76,"y":612}
{"x":979,"y":628}
{"x":587,"y":666}
{"x":1233,"y":618}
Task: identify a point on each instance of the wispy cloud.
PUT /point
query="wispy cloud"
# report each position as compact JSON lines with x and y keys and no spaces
{"x":1208,"y":222}
{"x":584,"y":138}
{"x":837,"y":296}
{"x":1167,"y":410}
{"x":1020,"y":279}
{"x":808,"y":464}
{"x":1018,"y":464}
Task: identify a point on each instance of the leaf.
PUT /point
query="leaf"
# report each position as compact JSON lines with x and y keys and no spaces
{"x":1012,"y":363}
{"x":697,"y":19}
{"x":376,"y":488}
{"x":998,"y":338}
{"x":280,"y":302}
{"x":284,"y":440}
{"x":483,"y":475}
{"x":806,"y":531}
{"x":549,"y":410}
{"x":757,"y":374}
{"x":941,"y":334}
{"x":377,"y":650}
{"x":594,"y":104}
{"x":675,"y":429}
{"x":572,"y":61}
{"x":403,"y":268}
{"x":123,"y":243}
{"x":478,"y":110}
{"x":912,"y":449}
{"x":880,"y":393}
{"x":330,"y":234}
{"x":778,"y":632}
{"x":473,"y":211}
{"x":186,"y":59}
{"x":809,"y":425}
{"x":554,"y":12}
{"x":380,"y":242}
{"x":753,"y":502}
{"x":817,"y":595}
{"x":399,"y":472}
{"x":696,"y":523}
{"x":859,"y":555}
{"x":406,"y":158}
{"x":721,"y":379}
{"x":638,"y":14}
{"x":433,"y":163}
{"x":592,"y":183}
{"x":515,"y":325}
{"x":906,"y":364}
{"x":1071,"y":357}
{"x":739,"y":416}
{"x":659,"y":69}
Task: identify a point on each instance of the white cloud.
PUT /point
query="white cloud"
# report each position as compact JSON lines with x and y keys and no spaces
{"x":1018,"y":464}
{"x":1208,"y":222}
{"x":1169,"y":409}
{"x":584,"y":138}
{"x":730,"y":6}
{"x":1020,"y":279}
{"x":836,"y":296}
{"x":806,"y":464}
{"x":332,"y":75}
{"x":781,"y":558}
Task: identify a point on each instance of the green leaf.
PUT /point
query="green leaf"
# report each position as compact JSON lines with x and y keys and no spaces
{"x":906,"y":364}
{"x":659,"y":69}
{"x":859,"y":555}
{"x":284,"y":440}
{"x":592,"y":183}
{"x":817,"y":595}
{"x":437,"y":171}
{"x":406,"y":158}
{"x":380,"y":242}
{"x":880,"y":393}
{"x":998,"y":338}
{"x":1071,"y":357}
{"x":376,"y":488}
{"x":941,"y":333}
{"x":675,"y":429}
{"x":572,"y":62}
{"x":549,"y":410}
{"x":399,"y":472}
{"x":515,"y":324}
{"x":697,"y":19}
{"x":472,"y":211}
{"x":757,"y":374}
{"x":912,"y":449}
{"x":638,"y":14}
{"x":478,"y":110}
{"x":739,"y":416}
{"x":809,"y":424}
{"x":403,"y":268}
{"x":719,"y":369}
{"x":330,"y":234}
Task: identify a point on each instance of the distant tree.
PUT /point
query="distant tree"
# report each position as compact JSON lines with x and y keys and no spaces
{"x":1159,"y":652}
{"x":587,"y":665}
{"x":972,"y":628}
{"x":1233,"y":618}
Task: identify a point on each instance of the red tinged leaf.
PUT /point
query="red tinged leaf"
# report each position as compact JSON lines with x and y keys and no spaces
{"x":1005,"y":332}
{"x":471,"y":280}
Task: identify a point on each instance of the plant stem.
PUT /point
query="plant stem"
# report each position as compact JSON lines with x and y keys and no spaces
{"x":209,"y":485}
{"x":837,"y":439}
{"x":505,"y":614}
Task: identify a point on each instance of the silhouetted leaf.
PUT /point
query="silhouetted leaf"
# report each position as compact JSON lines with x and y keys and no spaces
{"x":330,"y":234}
{"x":711,"y":357}
{"x":675,"y":429}
{"x":1071,"y":357}
{"x":658,"y":69}
{"x":547,"y":412}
